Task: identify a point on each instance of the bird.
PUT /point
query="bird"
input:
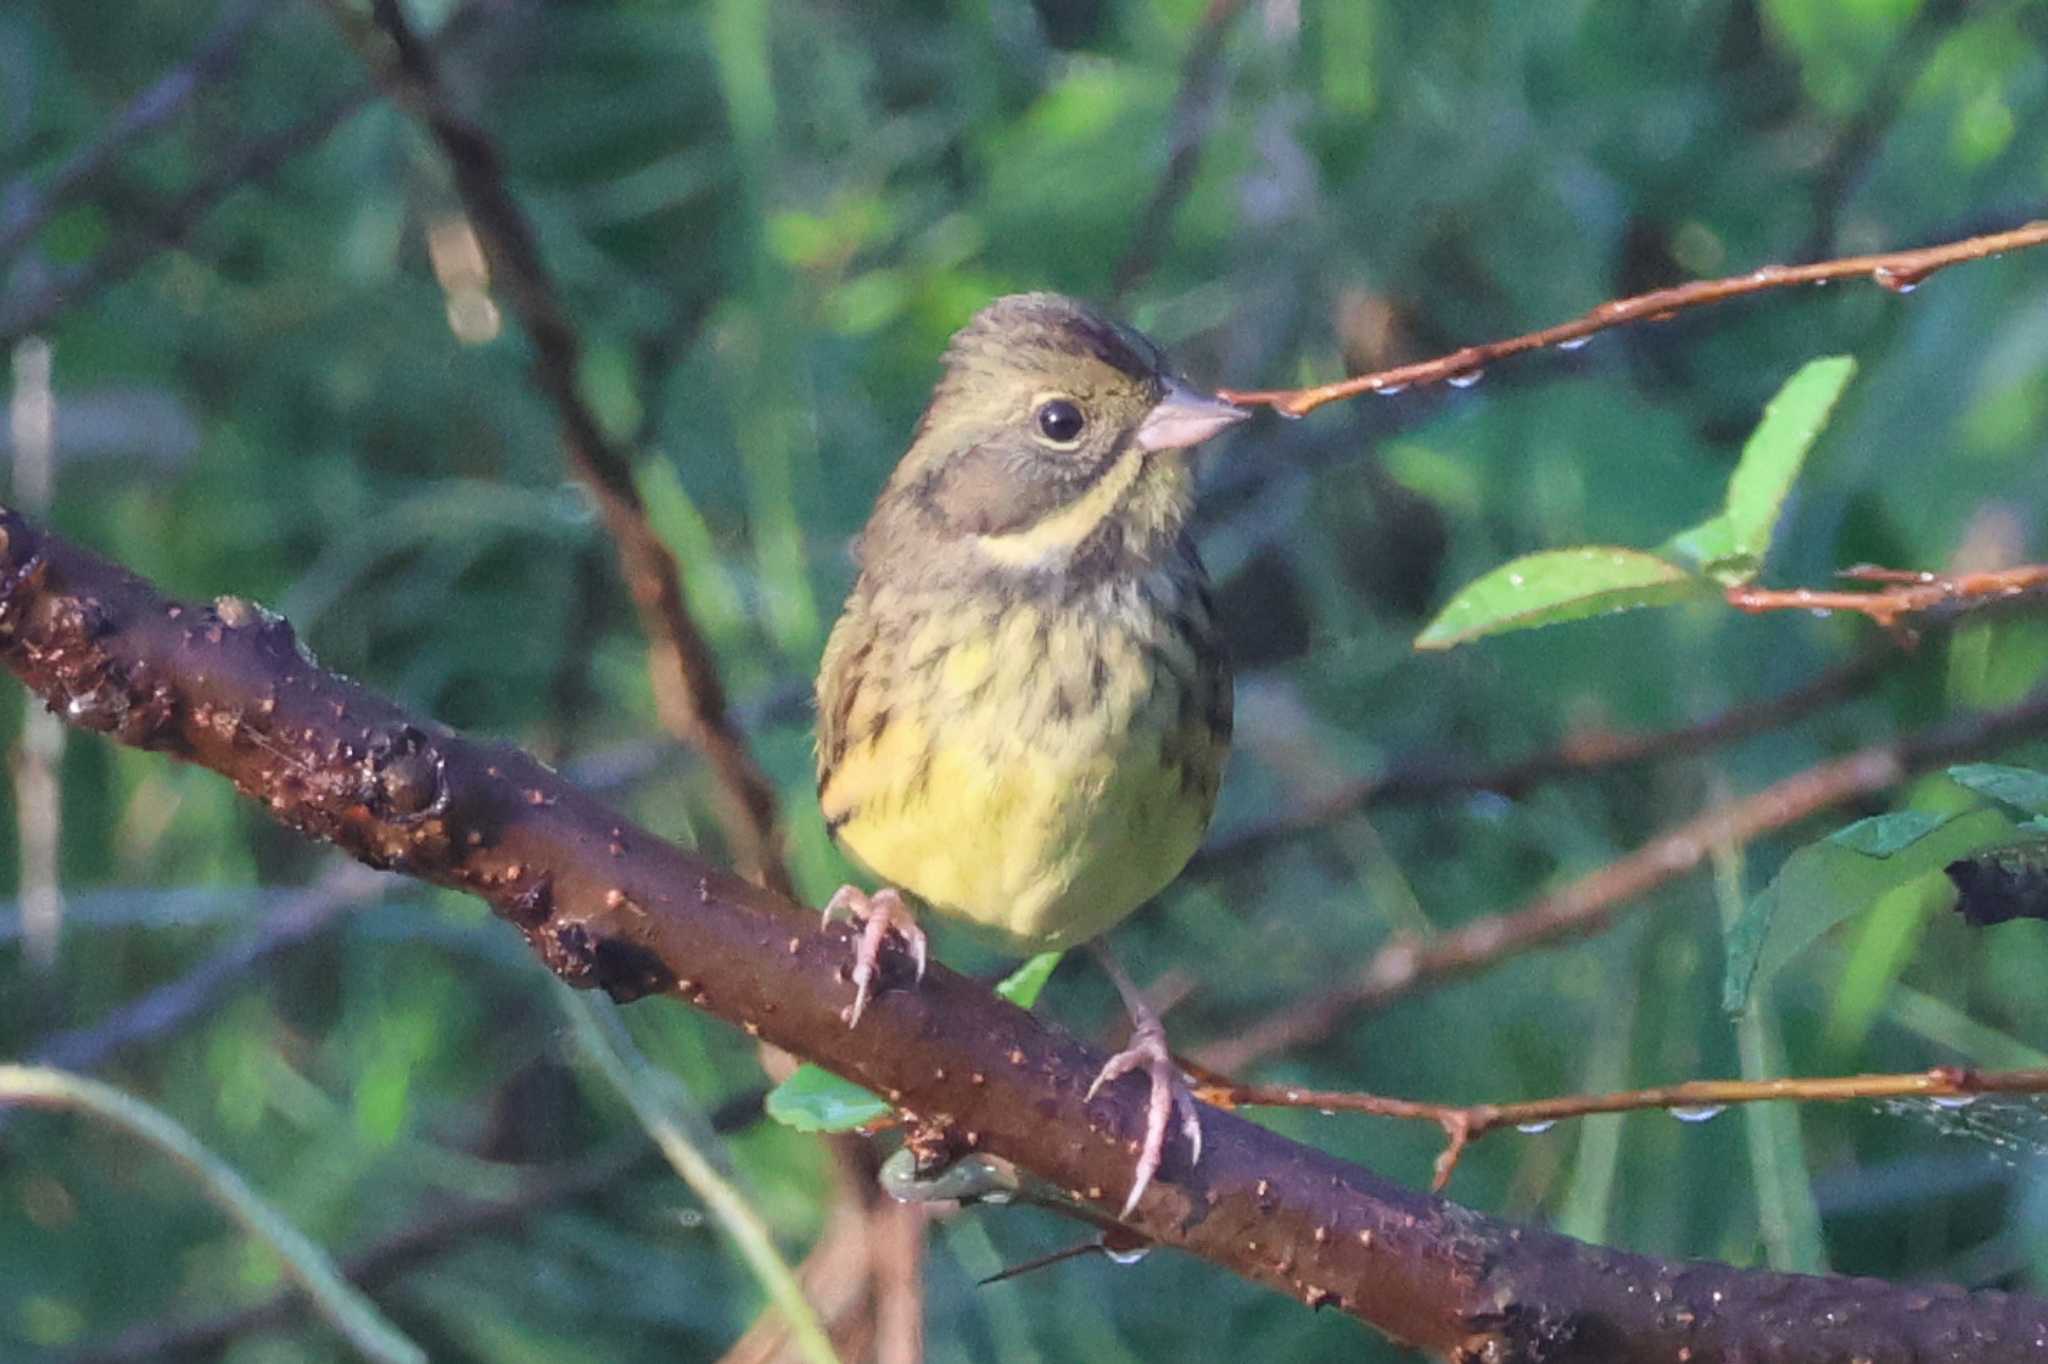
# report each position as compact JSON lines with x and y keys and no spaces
{"x":1024,"y":708}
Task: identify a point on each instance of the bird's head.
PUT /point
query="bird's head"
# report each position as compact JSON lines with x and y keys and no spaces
{"x":1052,"y":430}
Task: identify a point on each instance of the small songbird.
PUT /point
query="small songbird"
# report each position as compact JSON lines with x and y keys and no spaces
{"x":1024,"y":709}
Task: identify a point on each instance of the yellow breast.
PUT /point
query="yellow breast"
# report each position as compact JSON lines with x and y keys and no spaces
{"x":1038,"y":769}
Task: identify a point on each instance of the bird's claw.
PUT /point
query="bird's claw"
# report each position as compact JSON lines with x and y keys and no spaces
{"x":1170,"y":1094}
{"x":877,"y":915}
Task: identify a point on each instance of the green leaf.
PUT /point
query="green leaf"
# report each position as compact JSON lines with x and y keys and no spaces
{"x":1709,"y":548}
{"x":1021,"y":986}
{"x":1827,"y":882}
{"x":813,"y":1099}
{"x":2020,"y":787}
{"x":1556,"y":585}
{"x":1775,"y":451}
{"x":1883,"y":835}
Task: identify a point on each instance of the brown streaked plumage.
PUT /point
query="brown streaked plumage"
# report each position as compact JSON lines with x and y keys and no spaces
{"x":1024,"y":710}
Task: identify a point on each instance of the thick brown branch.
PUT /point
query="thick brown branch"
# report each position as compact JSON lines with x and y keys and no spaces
{"x":688,"y":695}
{"x":1589,"y":903}
{"x":1899,"y":271}
{"x":606,"y":904}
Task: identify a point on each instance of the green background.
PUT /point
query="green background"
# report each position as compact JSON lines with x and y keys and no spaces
{"x":765,"y":221}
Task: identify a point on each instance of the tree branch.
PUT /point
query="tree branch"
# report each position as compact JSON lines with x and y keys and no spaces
{"x":688,"y":695}
{"x":1899,"y":271}
{"x":607,"y":905}
{"x":1689,"y":1100}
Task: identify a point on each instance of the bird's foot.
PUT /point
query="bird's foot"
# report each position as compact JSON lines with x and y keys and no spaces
{"x":876,"y":915}
{"x":1170,"y":1094}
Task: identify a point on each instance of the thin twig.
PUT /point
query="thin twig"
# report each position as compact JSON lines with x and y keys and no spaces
{"x":1578,"y":756}
{"x":688,"y":694}
{"x":24,"y":210}
{"x":1907,"y":594}
{"x":1691,"y":1100}
{"x":254,"y":162}
{"x":375,"y":1265}
{"x":1899,"y":271}
{"x":1589,"y":903}
{"x":352,"y":1314}
{"x":1194,"y":114}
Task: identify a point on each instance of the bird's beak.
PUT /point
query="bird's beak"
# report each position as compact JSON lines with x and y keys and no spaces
{"x":1184,"y":417}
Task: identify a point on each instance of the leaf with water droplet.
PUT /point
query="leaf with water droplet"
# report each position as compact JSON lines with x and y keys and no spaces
{"x":1553,"y":586}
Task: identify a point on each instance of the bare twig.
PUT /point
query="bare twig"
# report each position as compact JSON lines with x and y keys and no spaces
{"x":1692,"y":1100}
{"x":1906,"y":595}
{"x":255,"y":161}
{"x":1194,"y":114}
{"x":1580,"y":755}
{"x":606,"y":904}
{"x":688,"y":694}
{"x":24,"y":209}
{"x":1589,"y":903}
{"x":171,"y":1005}
{"x":374,"y":1266}
{"x":1899,"y":271}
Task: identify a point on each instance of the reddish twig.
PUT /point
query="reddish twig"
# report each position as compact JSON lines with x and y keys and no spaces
{"x":1589,"y":903}
{"x":1906,"y":594}
{"x":1580,"y":755}
{"x":1899,"y":271}
{"x":606,"y":904}
{"x":1691,"y":1100}
{"x":688,"y":695}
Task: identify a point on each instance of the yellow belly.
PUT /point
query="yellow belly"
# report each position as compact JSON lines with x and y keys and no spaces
{"x":1014,"y":783}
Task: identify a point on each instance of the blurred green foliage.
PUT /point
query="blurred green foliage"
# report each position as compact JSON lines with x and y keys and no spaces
{"x":766,"y":220}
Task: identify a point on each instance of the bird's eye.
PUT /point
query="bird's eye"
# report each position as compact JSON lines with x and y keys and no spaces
{"x":1060,"y":421}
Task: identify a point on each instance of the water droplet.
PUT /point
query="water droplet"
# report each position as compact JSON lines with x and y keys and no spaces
{"x":1127,"y":1257}
{"x":1953,"y":1101}
{"x":1696,"y":1112}
{"x":1820,"y":613}
{"x":1576,"y":343}
{"x":1389,"y":390}
{"x":1536,"y":1128}
{"x":1465,"y":378}
{"x":1515,"y":580}
{"x":1289,"y":413}
{"x":1898,"y":281}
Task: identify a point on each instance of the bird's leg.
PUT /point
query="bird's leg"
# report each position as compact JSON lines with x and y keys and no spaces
{"x":1170,"y":1090}
{"x":876,"y":914}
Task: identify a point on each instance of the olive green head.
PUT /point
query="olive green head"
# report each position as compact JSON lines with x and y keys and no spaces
{"x":1051,"y":428}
